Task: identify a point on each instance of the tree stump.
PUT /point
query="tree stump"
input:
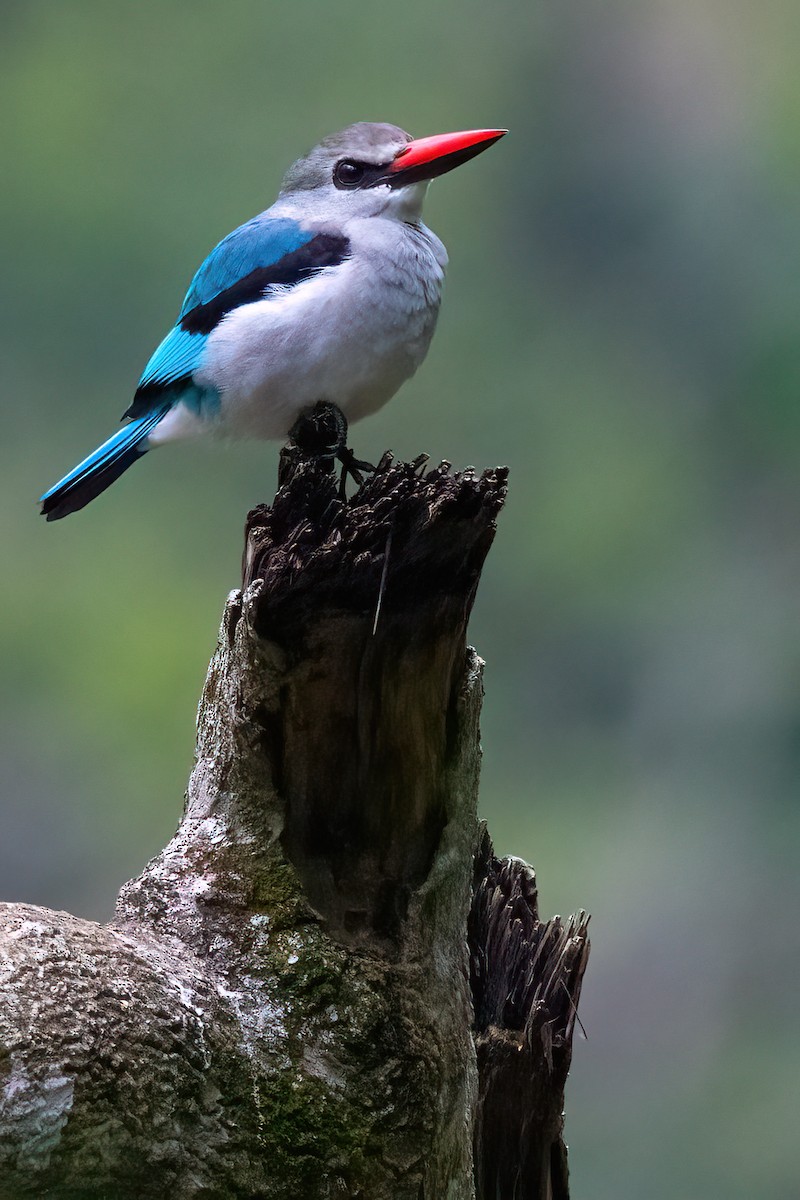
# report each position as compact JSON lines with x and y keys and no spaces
{"x":283,"y":1004}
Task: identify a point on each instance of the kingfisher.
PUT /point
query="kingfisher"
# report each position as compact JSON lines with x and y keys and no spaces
{"x":328,"y":300}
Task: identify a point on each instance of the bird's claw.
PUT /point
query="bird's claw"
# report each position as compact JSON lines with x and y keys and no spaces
{"x":321,"y":435}
{"x":355,"y":467}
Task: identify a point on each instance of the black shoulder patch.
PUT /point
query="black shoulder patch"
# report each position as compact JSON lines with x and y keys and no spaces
{"x":324,"y":250}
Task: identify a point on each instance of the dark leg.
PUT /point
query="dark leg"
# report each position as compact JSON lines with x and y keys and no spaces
{"x":322,"y":435}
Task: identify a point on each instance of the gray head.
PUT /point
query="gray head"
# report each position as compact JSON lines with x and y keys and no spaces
{"x":374,"y":169}
{"x":368,"y":142}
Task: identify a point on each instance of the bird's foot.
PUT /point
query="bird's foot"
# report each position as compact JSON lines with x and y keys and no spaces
{"x":322,"y":435}
{"x":319,"y":433}
{"x":355,"y":467}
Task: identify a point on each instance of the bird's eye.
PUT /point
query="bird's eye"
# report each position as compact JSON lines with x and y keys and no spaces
{"x":348,"y":174}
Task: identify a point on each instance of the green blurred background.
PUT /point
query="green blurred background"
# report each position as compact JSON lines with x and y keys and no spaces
{"x":620,"y":327}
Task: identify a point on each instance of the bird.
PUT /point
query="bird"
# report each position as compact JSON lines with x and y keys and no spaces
{"x":330,"y":297}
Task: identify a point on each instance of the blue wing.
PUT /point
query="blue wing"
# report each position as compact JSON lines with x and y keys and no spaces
{"x":266,"y":252}
{"x":178,"y":356}
{"x":260,"y":243}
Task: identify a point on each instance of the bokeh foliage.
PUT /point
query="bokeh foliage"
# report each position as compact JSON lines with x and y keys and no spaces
{"x":620,"y":327}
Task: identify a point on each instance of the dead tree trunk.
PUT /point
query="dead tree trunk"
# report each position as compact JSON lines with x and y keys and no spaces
{"x":283,"y":1006}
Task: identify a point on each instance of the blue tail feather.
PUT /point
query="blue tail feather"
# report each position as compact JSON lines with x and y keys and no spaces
{"x":100,"y":469}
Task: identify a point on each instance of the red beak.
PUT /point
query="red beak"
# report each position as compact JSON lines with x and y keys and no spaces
{"x":427,"y":157}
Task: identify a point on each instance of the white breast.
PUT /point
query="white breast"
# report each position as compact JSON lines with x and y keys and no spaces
{"x":350,"y":335}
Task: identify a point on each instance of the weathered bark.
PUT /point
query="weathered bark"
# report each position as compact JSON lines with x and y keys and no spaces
{"x":281,"y":1007}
